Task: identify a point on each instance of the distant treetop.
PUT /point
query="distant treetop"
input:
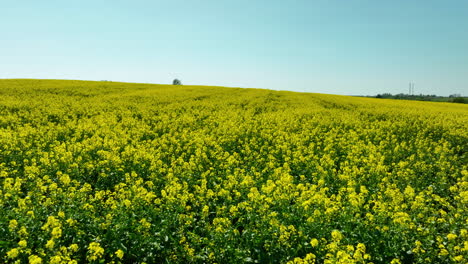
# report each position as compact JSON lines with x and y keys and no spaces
{"x":176,"y":82}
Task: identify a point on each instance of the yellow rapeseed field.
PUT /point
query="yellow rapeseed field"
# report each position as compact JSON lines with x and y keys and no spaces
{"x":106,"y":172}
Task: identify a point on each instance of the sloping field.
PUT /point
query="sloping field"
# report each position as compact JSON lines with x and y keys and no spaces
{"x":118,"y":172}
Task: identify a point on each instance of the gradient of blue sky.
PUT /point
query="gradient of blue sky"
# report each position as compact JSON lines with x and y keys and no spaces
{"x":328,"y":46}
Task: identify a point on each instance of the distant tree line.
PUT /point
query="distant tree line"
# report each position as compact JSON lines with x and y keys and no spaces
{"x":460,"y":100}
{"x":454,"y":98}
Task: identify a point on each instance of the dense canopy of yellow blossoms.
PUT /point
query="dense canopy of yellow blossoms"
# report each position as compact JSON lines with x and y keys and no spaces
{"x":108,"y":172}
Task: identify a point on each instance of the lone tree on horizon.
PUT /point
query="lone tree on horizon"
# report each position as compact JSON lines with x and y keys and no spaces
{"x":176,"y":82}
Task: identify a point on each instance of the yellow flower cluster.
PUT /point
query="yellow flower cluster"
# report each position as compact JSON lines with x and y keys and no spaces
{"x":106,"y":172}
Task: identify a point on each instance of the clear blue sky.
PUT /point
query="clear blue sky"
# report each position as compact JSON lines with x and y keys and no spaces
{"x":341,"y":47}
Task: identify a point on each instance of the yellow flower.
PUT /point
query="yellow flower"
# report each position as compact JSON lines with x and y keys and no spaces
{"x":233,"y":210}
{"x":73,"y":247}
{"x":56,"y":232}
{"x":23,"y":232}
{"x":361,"y":247}
{"x":23,"y":243}
{"x":451,"y":236}
{"x":95,"y":251}
{"x":463,"y":232}
{"x":33,"y":259}
{"x":145,"y":223}
{"x":50,"y":244}
{"x":119,"y":253}
{"x":314,"y":242}
{"x":51,"y":222}
{"x":13,"y":224}
{"x":443,"y":252}
{"x":61,"y":214}
{"x":296,"y":260}
{"x":30,"y":214}
{"x":310,"y":258}
{"x":55,"y":260}
{"x":336,"y":235}
{"x":65,"y":179}
{"x":13,"y":253}
{"x":205,"y":210}
{"x":71,"y":222}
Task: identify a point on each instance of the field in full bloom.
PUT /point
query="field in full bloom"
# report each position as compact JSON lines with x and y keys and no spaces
{"x":108,"y":172}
